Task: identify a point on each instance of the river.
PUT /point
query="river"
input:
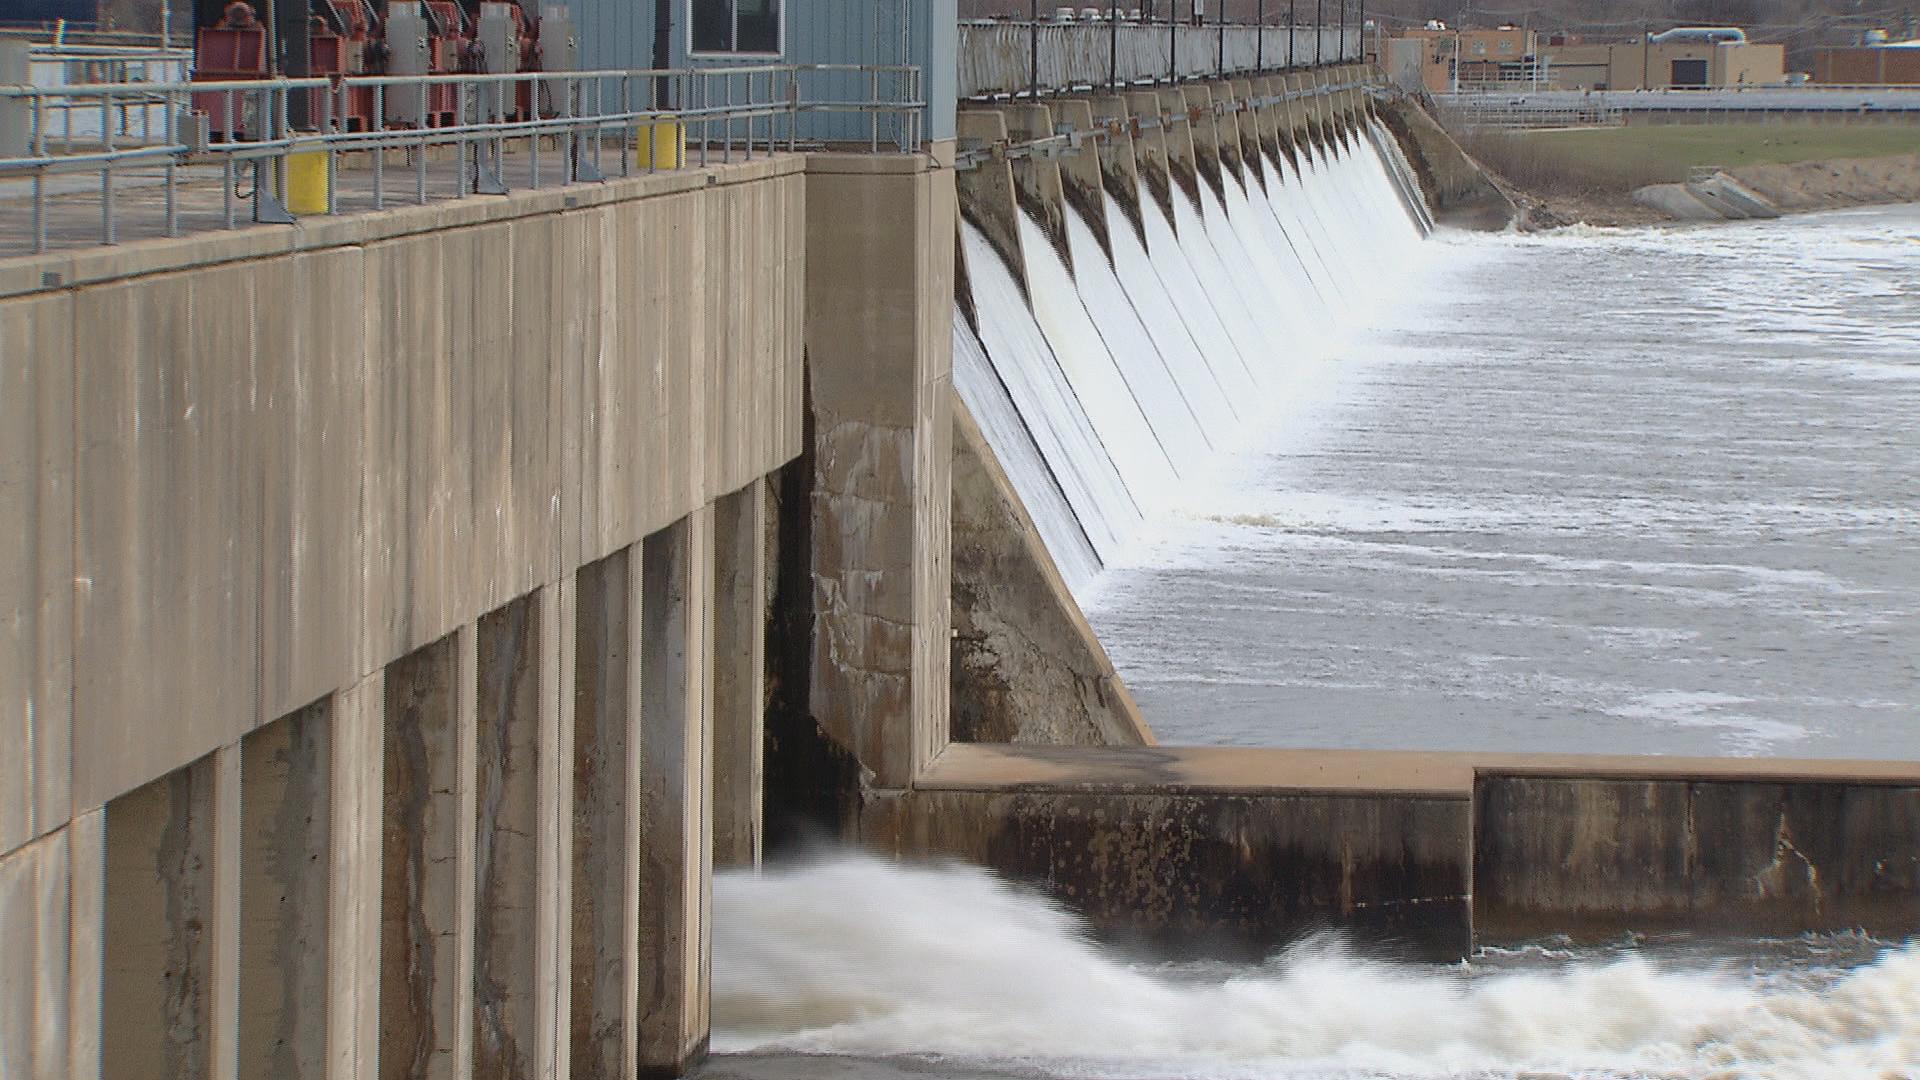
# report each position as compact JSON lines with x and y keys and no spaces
{"x":1650,"y":491}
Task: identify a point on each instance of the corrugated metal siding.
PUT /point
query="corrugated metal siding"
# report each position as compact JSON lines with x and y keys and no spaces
{"x":619,"y":34}
{"x":614,"y":34}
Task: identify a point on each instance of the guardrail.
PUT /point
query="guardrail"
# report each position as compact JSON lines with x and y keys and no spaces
{"x":590,"y":125}
{"x":973,"y":153}
{"x":1006,"y":59}
{"x":54,"y":66}
{"x":1532,"y":108}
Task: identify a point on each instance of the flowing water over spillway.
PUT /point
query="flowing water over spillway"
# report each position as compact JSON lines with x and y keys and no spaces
{"x":1111,"y":387}
{"x":1320,"y":483}
{"x":853,"y":956}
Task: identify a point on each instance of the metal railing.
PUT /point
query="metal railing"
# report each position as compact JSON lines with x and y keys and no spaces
{"x":560,"y":127}
{"x":1539,"y":108}
{"x":54,"y":66}
{"x":973,"y":153}
{"x":1000,"y":58}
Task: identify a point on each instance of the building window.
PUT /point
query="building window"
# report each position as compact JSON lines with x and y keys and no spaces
{"x":735,"y":26}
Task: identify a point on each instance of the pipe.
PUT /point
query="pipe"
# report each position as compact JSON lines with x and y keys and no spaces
{"x":1113,"y":44}
{"x":1033,"y":48}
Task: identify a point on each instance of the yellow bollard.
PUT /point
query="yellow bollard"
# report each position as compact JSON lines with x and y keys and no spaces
{"x":307,"y":182}
{"x":662,"y":143}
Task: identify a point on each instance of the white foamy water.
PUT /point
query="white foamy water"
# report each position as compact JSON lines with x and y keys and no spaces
{"x":1641,"y":491}
{"x":853,"y":956}
{"x":1114,"y":387}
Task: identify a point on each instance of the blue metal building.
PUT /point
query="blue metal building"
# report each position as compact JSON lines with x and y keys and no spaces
{"x":663,"y":33}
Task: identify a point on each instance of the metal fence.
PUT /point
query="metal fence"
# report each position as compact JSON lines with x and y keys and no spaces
{"x":1001,"y":58}
{"x":557,"y":128}
{"x":52,"y":67}
{"x":1545,"y":108}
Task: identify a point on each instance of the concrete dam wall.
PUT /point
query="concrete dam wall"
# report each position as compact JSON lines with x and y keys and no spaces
{"x":381,"y":631}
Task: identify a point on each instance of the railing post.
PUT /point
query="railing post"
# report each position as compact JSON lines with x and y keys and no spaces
{"x":1113,"y":44}
{"x":1291,"y":24}
{"x":1319,"y":29}
{"x":1033,"y":48}
{"x":1260,"y":35}
{"x":1173,"y":41}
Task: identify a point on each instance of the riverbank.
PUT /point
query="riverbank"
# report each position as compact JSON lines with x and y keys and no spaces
{"x":1590,"y":176}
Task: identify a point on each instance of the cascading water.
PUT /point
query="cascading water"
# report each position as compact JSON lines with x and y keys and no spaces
{"x":850,"y":955}
{"x":1114,"y":383}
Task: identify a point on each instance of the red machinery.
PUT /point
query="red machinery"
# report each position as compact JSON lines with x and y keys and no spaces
{"x":344,"y":39}
{"x":450,"y":41}
{"x":226,"y":53}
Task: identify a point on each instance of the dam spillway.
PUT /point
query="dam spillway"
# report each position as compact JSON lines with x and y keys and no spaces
{"x":1111,"y":375}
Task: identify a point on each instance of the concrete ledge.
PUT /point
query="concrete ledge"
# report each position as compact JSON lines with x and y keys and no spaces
{"x":1218,"y":871}
{"x":1236,"y":768}
{"x":868,"y":164}
{"x":1211,"y":769}
{"x":65,"y":269}
{"x":1246,"y":848}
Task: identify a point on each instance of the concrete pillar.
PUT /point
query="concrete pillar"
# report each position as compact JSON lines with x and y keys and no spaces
{"x":156,"y":993}
{"x":1150,"y":149}
{"x":524,"y":705}
{"x":506,"y":847}
{"x":1036,"y":178}
{"x":1182,"y":144}
{"x":739,"y":673}
{"x":86,"y":942}
{"x":986,"y":190}
{"x":1080,"y":169}
{"x":427,"y":862}
{"x":223,"y":989}
{"x":879,"y":343}
{"x":1247,"y":125}
{"x":554,"y":890}
{"x":676,"y":795}
{"x":285,"y":803}
{"x":603,"y":1003}
{"x":1204,"y":127}
{"x":354,"y":930}
{"x":35,"y":907}
{"x":1224,"y":116}
{"x":1119,"y":174}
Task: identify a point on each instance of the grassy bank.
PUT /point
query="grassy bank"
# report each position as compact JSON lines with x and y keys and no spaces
{"x":1596,"y":167}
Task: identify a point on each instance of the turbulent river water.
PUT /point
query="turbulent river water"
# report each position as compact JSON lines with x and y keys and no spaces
{"x":964,"y":976}
{"x":1649,"y":491}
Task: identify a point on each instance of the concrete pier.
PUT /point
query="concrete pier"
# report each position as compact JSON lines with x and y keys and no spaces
{"x":391,"y":584}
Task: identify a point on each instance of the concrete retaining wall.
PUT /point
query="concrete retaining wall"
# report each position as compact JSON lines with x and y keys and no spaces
{"x":1238,"y":849}
{"x":1597,"y":855}
{"x":330,"y":535}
